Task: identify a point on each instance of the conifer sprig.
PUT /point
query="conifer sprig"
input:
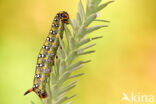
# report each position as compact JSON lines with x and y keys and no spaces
{"x":75,"y":47}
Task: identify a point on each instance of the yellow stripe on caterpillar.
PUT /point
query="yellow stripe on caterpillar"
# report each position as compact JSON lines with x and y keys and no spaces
{"x":56,"y":36}
{"x":46,"y":58}
{"x":42,"y":51}
{"x":60,"y":22}
{"x":44,"y":67}
{"x":46,"y":43}
{"x":53,"y":43}
{"x":39,"y":87}
{"x":41,"y":78}
{"x":49,"y":52}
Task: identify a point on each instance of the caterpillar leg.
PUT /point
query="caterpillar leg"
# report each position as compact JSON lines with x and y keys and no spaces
{"x":52,"y":61}
{"x":56,"y":57}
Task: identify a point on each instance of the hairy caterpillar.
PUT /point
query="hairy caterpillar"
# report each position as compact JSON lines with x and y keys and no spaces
{"x":47,"y":54}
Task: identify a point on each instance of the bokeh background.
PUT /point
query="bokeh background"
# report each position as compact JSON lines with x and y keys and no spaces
{"x":125,"y":60}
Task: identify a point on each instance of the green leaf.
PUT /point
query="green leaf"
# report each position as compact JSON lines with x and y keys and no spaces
{"x":101,"y":20}
{"x":91,"y":29}
{"x":70,"y":39}
{"x":86,"y":47}
{"x":87,"y":6}
{"x":64,"y":90}
{"x":55,"y":71}
{"x":80,"y":33}
{"x":72,"y":83}
{"x":71,"y":43}
{"x":77,"y":64}
{"x":62,"y":67}
{"x":77,"y":75}
{"x":68,"y":33}
{"x":96,"y":2}
{"x":70,"y":102}
{"x":63,"y":78}
{"x":61,"y":100}
{"x":87,"y":52}
{"x":72,"y":55}
{"x":84,"y":41}
{"x":90,"y":19}
{"x":70,"y":22}
{"x":61,"y":53}
{"x":75,"y":26}
{"x":75,"y":68}
{"x":79,"y":21}
{"x":102,"y":6}
{"x":81,"y":11}
{"x":62,"y":46}
{"x":92,"y":6}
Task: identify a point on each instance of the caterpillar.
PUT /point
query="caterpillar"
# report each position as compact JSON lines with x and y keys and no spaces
{"x":47,"y":54}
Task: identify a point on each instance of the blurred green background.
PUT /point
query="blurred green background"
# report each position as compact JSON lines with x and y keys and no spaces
{"x":125,"y":60}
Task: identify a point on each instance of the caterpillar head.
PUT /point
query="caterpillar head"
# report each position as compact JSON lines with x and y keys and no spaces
{"x":64,"y":16}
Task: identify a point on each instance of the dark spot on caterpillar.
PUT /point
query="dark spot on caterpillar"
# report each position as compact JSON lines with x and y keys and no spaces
{"x":47,"y":48}
{"x":52,"y":39}
{"x":40,"y":65}
{"x":38,"y":75}
{"x":57,"y":25}
{"x":53,"y":25}
{"x":44,"y":95}
{"x":48,"y":38}
{"x":55,"y":19}
{"x":53,"y":32}
{"x":41,"y":55}
{"x":43,"y":46}
{"x":36,"y":86}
